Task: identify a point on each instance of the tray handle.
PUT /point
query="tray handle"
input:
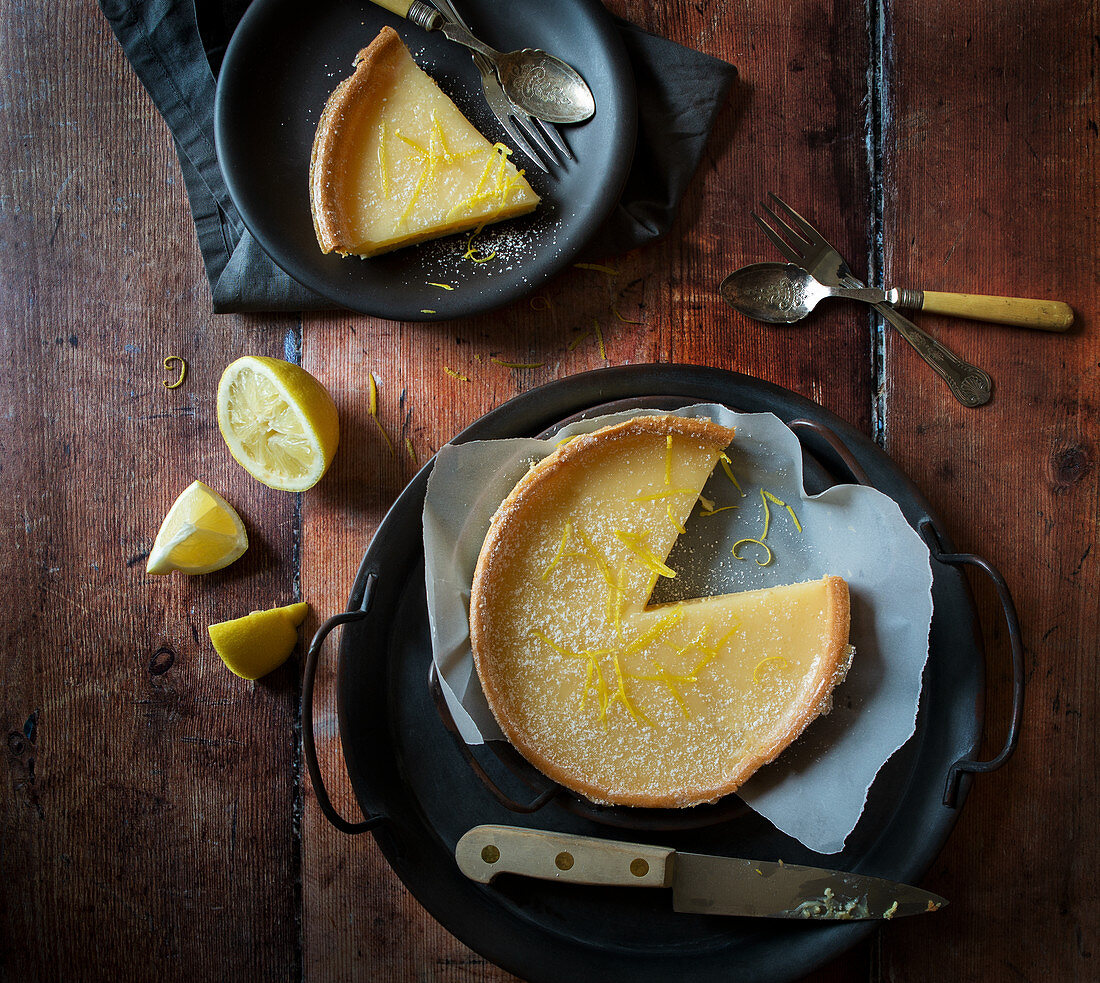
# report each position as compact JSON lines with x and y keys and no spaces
{"x":964,"y":765}
{"x":497,"y":792}
{"x":309,"y":749}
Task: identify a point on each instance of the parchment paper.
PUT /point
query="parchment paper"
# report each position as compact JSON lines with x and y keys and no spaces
{"x":815,"y":790}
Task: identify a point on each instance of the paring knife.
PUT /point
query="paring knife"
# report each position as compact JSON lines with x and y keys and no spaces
{"x":704,"y":884}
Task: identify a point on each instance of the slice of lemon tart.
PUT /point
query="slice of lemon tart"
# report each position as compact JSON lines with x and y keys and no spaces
{"x":395,"y":162}
{"x":663,"y":706}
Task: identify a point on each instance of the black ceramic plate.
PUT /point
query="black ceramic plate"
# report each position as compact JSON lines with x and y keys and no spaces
{"x":287,"y":56}
{"x":405,"y":766}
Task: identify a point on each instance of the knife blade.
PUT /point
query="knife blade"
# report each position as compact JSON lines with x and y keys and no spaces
{"x":700,"y":883}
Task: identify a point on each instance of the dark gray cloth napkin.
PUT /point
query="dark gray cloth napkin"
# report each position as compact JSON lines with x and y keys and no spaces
{"x":176,"y":47}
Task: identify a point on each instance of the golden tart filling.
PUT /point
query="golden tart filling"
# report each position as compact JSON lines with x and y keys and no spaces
{"x":395,"y":162}
{"x":669,"y":705}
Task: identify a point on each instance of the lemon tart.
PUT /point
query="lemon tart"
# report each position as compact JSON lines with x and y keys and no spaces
{"x":395,"y":162}
{"x":658,"y":706}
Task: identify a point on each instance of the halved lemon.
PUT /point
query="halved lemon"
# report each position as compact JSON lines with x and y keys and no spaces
{"x":201,"y":533}
{"x":280,"y":423}
{"x":259,"y":642}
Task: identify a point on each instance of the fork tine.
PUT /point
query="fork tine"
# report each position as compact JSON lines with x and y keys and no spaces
{"x":793,"y":234}
{"x":532,"y":133}
{"x":555,"y":138}
{"x":779,"y":242}
{"x":517,"y":138}
{"x":807,"y":231}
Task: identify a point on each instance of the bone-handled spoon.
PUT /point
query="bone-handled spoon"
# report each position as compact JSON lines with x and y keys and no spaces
{"x":782,"y":293}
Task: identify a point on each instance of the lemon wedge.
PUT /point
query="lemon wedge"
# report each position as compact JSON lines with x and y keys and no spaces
{"x":200,"y":533}
{"x":259,"y":642}
{"x":279,"y":422}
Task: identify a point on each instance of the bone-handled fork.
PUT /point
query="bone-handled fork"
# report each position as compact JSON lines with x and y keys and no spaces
{"x":804,"y":246}
{"x":505,"y":110}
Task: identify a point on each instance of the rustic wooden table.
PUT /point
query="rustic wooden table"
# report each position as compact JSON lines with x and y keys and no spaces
{"x":157,"y":821}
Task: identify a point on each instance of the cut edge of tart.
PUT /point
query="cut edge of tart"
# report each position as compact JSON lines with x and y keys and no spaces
{"x":395,"y":162}
{"x":613,"y":701}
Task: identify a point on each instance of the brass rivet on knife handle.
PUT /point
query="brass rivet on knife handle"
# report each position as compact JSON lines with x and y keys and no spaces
{"x":560,"y":857}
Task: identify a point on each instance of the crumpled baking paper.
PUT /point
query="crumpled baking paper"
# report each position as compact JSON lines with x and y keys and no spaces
{"x":815,"y":791}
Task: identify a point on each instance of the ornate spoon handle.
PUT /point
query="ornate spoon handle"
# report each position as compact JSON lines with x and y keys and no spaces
{"x":970,"y":385}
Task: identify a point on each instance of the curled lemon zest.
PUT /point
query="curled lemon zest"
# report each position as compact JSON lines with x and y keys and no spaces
{"x":566,"y":530}
{"x":763,"y":662}
{"x":758,"y":543}
{"x":541,"y":303}
{"x":790,"y":511}
{"x":636,"y":543}
{"x":471,"y":250}
{"x":168,"y":360}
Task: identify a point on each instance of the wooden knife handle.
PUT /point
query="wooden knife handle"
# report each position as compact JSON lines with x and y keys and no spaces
{"x":486,"y":851}
{"x":1045,"y":315}
{"x":399,"y":7}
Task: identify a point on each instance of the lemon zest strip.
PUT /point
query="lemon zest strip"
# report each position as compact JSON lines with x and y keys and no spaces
{"x":767,"y":513}
{"x":411,"y":450}
{"x":566,"y":529}
{"x":599,"y":338}
{"x":724,"y":458}
{"x":456,"y":375}
{"x":635,"y":542}
{"x":674,"y":521}
{"x":794,"y":518}
{"x":724,"y":508}
{"x":625,"y":320}
{"x":668,"y":460}
{"x":576,"y":341}
{"x":518,"y":365}
{"x":670,"y":493}
{"x":758,"y":543}
{"x":644,"y":640}
{"x":597,"y":267}
{"x":168,"y":360}
{"x":442,"y":286}
{"x":373,"y":407}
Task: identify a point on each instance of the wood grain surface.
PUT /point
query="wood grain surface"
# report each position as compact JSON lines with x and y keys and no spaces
{"x":157,"y":820}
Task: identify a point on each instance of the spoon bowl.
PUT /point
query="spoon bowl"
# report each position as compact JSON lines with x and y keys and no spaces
{"x":782,"y":293}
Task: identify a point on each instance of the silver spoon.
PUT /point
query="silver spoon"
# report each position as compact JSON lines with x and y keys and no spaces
{"x":784,"y":293}
{"x":537,"y":82}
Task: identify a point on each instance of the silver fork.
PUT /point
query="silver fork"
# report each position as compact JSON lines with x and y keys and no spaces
{"x":809,"y":249}
{"x":505,"y":110}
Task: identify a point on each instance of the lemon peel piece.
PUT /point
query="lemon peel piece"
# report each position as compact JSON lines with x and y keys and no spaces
{"x":259,"y":642}
{"x":724,"y":458}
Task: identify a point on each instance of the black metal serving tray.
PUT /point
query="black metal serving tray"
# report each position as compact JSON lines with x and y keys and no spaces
{"x":420,"y":795}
